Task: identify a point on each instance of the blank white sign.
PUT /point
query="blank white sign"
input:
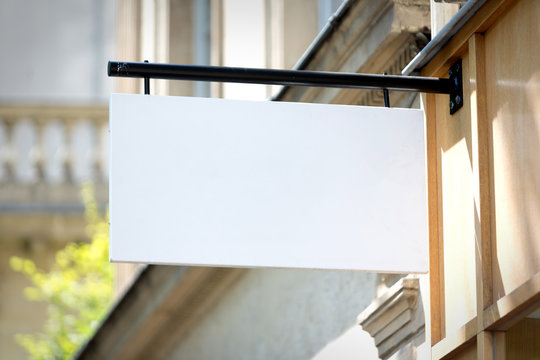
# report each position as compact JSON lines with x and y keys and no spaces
{"x":198,"y":181}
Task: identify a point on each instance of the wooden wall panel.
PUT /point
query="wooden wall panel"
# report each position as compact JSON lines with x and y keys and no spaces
{"x":523,"y":340}
{"x":467,"y":352}
{"x":513,"y":110}
{"x":436,"y":255}
{"x":486,"y":251}
{"x":456,"y":209}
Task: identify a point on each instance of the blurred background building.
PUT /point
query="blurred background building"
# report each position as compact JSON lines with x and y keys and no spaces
{"x":53,"y":137}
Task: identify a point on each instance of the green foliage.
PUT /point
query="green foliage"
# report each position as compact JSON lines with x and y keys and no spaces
{"x":78,"y":289}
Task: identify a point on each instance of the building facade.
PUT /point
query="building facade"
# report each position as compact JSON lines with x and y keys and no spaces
{"x":481,"y":297}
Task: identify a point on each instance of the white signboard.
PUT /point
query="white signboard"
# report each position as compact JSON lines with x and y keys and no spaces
{"x":217,"y":182}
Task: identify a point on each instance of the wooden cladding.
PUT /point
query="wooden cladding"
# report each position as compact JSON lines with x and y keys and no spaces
{"x":484,"y":183}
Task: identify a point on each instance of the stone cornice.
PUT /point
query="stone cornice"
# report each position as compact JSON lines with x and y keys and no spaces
{"x":374,"y":36}
{"x":391,"y":319}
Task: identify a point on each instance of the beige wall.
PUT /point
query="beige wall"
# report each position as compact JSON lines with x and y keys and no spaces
{"x":513,"y":112}
{"x":484,"y":183}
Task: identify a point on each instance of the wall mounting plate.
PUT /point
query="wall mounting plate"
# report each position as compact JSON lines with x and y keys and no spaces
{"x":456,"y":86}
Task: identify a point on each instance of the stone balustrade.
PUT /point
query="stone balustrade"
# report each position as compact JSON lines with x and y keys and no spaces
{"x":53,"y":145}
{"x":46,"y":154}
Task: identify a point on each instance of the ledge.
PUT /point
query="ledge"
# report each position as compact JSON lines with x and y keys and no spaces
{"x":364,"y":36}
{"x":390,"y":319}
{"x":159,"y":308}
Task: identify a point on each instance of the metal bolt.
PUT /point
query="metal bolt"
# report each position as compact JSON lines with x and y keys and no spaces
{"x":458,"y":100}
{"x":452,"y":106}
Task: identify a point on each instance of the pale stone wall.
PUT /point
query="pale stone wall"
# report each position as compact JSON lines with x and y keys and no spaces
{"x":286,"y":314}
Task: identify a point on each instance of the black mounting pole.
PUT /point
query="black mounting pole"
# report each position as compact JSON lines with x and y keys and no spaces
{"x":278,"y":77}
{"x":452,"y":86}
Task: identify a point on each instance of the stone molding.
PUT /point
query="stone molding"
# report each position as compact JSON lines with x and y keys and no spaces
{"x":392,"y":318}
{"x":373,"y":37}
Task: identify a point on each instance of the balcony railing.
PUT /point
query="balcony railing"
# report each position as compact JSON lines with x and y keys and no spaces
{"x":53,"y":145}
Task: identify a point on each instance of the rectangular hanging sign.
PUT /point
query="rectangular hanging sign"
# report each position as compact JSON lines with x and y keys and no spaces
{"x":213,"y":182}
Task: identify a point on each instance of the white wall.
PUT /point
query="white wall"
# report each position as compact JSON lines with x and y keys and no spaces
{"x":286,"y":314}
{"x":55,"y":50}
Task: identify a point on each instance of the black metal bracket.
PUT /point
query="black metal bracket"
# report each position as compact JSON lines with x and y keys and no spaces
{"x":386,"y":96}
{"x":456,"y":87}
{"x":452,"y":86}
{"x":146,"y":83}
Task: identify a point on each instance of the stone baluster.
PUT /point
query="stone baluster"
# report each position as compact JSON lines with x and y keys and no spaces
{"x":34,"y":142}
{"x":8,"y":154}
{"x":38,"y":156}
{"x":67,"y":154}
{"x":100,"y":145}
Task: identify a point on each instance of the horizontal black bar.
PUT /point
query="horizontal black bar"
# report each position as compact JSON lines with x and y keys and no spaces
{"x":278,"y":77}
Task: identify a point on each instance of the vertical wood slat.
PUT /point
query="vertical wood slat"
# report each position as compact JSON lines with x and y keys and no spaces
{"x":499,"y":345}
{"x":436,"y":256}
{"x":480,"y":164}
{"x":484,"y":345}
{"x":481,"y":168}
{"x":456,"y":209}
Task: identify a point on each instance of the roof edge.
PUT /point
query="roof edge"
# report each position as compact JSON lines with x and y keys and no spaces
{"x":443,"y":37}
